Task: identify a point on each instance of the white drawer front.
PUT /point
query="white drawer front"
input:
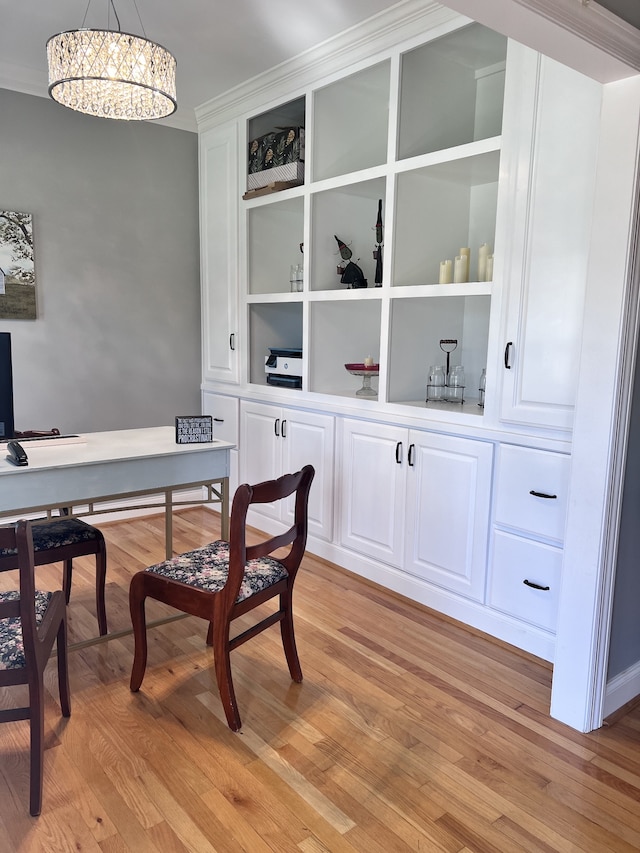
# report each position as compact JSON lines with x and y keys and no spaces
{"x":516,"y":560}
{"x":225,"y":416}
{"x":532,"y":490}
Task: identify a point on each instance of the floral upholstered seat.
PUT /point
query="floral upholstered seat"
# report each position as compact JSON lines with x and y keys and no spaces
{"x":61,"y":539}
{"x":11,"y":642}
{"x":57,"y":533}
{"x":207,"y":568}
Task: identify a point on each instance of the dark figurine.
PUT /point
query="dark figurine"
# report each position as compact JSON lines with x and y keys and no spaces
{"x":377,"y":254}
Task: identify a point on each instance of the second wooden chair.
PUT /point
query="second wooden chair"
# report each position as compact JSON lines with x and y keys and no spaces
{"x":224,"y":580}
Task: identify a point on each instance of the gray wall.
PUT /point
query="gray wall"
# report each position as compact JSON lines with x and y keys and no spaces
{"x":624,"y":649}
{"x":116,"y":343}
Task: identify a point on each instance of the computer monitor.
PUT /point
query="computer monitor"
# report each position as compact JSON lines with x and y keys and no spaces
{"x":6,"y":387}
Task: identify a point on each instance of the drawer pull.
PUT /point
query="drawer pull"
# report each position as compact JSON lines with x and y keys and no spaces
{"x":219,"y":420}
{"x":536,"y":585}
{"x":543,"y":495}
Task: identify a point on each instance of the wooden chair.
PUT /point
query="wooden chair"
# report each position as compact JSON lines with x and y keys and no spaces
{"x":30,"y":622}
{"x":61,"y":540}
{"x":224,"y":580}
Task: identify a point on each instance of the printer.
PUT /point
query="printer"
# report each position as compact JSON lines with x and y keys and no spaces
{"x":283,"y":367}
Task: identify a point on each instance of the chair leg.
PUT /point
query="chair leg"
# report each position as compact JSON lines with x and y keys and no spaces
{"x":288,"y":637}
{"x":101,"y":578}
{"x":63,"y":669}
{"x":137,"y":599}
{"x":66,"y":579}
{"x":222,"y":663}
{"x":36,"y":761}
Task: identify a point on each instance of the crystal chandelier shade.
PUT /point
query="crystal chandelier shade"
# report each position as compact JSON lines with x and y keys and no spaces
{"x":111,"y":75}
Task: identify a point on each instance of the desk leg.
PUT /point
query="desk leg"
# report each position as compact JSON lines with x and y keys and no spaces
{"x":168,"y":524}
{"x":224,"y":511}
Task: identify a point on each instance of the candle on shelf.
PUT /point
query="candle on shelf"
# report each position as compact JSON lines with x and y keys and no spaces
{"x":368,"y":362}
{"x":446,"y":272}
{"x":460,"y":269}
{"x":483,"y":254}
{"x":465,"y":252}
{"x":489,"y":268}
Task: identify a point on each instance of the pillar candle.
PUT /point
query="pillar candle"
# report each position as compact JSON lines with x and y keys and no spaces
{"x":446,"y":272}
{"x":489,"y":268}
{"x":483,"y":254}
{"x":465,"y":252}
{"x":460,"y":269}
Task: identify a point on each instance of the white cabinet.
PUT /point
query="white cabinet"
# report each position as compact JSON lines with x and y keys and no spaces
{"x":526,"y":557}
{"x":551,"y":177}
{"x":373,"y":486}
{"x":418,"y":501}
{"x":219,"y":252}
{"x":448,"y":504}
{"x":277,"y":441}
{"x":224,"y":411}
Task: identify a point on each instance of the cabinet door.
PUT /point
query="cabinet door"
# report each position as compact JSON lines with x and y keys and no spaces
{"x":547,"y":240}
{"x":307,"y":438}
{"x":448,"y":500}
{"x":373,"y":490}
{"x":219,"y":252}
{"x":261,"y":449}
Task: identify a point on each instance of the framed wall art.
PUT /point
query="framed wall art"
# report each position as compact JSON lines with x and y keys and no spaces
{"x":17,"y":268}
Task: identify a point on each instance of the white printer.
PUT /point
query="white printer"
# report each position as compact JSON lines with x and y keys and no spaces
{"x":283,"y":367}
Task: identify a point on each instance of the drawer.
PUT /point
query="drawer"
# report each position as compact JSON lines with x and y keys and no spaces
{"x":225,"y":415}
{"x":531,"y":491}
{"x":516,"y":560}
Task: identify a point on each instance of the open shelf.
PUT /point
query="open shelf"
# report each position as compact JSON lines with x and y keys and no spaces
{"x":348,"y":212}
{"x":418,"y":326}
{"x":351,"y":121}
{"x":452,"y":91}
{"x":271,"y":325}
{"x":274,"y":234}
{"x":440,"y":209}
{"x":343,"y":332}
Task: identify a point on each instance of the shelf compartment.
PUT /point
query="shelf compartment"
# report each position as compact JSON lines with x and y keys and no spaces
{"x":418,"y":326}
{"x":343,"y":332}
{"x":440,"y":209}
{"x":274,"y":234}
{"x":271,"y":325}
{"x":351,"y":120}
{"x":434,"y":116}
{"x":350,"y":213}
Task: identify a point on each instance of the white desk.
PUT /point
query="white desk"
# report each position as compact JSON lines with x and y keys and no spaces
{"x":112,"y":465}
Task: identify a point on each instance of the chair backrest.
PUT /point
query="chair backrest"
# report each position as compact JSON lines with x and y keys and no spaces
{"x":19,"y":536}
{"x":296,"y":536}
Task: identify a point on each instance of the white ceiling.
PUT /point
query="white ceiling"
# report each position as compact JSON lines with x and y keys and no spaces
{"x":217,"y":43}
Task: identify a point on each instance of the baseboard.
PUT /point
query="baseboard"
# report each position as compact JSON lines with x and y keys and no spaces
{"x":621,"y":689}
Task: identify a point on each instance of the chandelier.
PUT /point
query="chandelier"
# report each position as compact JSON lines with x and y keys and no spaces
{"x":111,"y":74}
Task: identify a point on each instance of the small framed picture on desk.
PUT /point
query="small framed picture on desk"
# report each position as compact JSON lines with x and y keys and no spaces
{"x":196,"y":429}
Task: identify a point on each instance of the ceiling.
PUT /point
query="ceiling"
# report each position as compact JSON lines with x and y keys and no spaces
{"x":217,"y":44}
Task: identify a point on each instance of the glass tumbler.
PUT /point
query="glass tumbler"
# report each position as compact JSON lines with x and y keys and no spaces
{"x":436,"y":386}
{"x":455,"y":390}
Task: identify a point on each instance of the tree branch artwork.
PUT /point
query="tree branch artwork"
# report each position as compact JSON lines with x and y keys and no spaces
{"x":17,"y":268}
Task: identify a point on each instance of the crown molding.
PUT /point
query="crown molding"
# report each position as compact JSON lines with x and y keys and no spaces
{"x":579,"y":33}
{"x":356,"y":44}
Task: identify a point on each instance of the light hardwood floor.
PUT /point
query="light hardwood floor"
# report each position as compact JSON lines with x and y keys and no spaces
{"x":409,"y":732}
